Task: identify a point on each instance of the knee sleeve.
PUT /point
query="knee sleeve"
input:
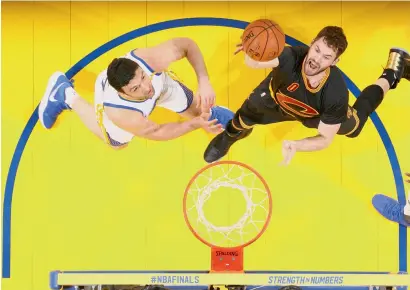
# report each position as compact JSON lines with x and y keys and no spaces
{"x":369,"y":100}
{"x":366,"y":103}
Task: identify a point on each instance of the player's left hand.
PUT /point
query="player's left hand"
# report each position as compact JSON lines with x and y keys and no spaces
{"x":205,"y":96}
{"x":288,"y":151}
{"x":408,"y":176}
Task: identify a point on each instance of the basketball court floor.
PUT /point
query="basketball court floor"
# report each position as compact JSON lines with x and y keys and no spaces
{"x":70,"y":203}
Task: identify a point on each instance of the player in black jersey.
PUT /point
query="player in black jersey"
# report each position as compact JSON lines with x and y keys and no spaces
{"x":306,"y":86}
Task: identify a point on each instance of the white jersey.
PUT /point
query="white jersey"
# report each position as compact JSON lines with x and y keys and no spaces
{"x":168,"y":93}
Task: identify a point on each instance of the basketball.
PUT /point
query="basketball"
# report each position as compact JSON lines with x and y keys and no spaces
{"x":263,"y":40}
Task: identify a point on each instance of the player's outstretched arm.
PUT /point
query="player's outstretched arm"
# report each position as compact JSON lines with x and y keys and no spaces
{"x":135,"y":123}
{"x":187,"y":48}
{"x":326,"y":134}
{"x":161,"y":56}
{"x":336,"y":107}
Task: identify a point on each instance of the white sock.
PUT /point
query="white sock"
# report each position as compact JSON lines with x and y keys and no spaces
{"x":407,"y":206}
{"x":70,"y":96}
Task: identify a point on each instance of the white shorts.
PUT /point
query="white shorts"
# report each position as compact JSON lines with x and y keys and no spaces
{"x":177,"y":99}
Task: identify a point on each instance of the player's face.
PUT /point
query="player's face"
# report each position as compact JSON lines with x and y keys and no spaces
{"x":140,"y":86}
{"x":319,"y":58}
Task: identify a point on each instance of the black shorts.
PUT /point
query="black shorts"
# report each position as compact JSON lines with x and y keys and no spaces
{"x":261,"y":109}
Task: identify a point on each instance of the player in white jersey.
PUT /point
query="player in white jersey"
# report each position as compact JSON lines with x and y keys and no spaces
{"x":129,"y":90}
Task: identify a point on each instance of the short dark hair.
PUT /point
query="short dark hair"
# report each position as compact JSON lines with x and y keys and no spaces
{"x":120,"y":71}
{"x":334,"y":38}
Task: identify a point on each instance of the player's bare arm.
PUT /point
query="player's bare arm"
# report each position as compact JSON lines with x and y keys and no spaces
{"x":322,"y":140}
{"x":326,"y":134}
{"x":136,"y":124}
{"x":161,"y":56}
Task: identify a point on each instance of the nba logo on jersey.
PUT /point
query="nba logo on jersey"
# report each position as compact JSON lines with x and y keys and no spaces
{"x":293,"y":87}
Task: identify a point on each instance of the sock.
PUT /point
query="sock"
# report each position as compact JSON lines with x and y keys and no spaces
{"x":390,"y":76}
{"x":407,"y":206}
{"x":70,"y":96}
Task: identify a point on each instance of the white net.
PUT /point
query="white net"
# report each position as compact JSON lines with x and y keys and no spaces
{"x":227,"y":205}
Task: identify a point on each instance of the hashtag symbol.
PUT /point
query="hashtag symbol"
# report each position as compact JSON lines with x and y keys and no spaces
{"x":153,"y":279}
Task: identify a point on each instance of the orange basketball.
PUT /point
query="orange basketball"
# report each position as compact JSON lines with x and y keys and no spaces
{"x":263,"y":40}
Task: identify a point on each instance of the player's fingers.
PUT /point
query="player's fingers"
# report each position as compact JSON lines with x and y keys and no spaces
{"x":283,"y":162}
{"x":205,"y":116}
{"x":204,"y":107}
{"x":216,"y":129}
{"x":212,"y":101}
{"x":212,"y":122}
{"x":407,"y":174}
{"x":288,"y":158}
{"x":239,"y":47}
{"x":198,"y":102}
{"x":205,"y":103}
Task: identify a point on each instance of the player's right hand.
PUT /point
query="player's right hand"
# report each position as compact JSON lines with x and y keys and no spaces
{"x":210,"y":126}
{"x":239,"y":47}
{"x":408,"y":176}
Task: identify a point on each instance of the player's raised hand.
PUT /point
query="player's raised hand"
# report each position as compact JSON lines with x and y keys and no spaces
{"x":288,"y":151}
{"x":210,"y":126}
{"x":239,"y":48}
{"x":408,"y":177}
{"x":205,"y":96}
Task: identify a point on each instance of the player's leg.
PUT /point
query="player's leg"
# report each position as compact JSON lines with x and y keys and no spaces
{"x":258,"y":108}
{"x":239,"y":127}
{"x":61,"y":96}
{"x":397,"y":68}
{"x":391,"y":209}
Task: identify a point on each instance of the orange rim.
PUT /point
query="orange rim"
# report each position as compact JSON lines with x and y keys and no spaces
{"x":265,"y":226}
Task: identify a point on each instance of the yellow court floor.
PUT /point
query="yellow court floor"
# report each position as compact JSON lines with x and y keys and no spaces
{"x":72,"y":203}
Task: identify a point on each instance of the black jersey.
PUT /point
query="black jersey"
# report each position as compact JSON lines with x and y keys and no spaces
{"x":290,"y":90}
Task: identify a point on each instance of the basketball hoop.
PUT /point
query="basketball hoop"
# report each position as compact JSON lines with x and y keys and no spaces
{"x":227,"y":241}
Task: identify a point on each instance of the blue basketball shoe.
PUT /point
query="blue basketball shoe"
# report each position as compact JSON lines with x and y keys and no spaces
{"x":391,"y":209}
{"x":222,"y":114}
{"x":53,"y":102}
